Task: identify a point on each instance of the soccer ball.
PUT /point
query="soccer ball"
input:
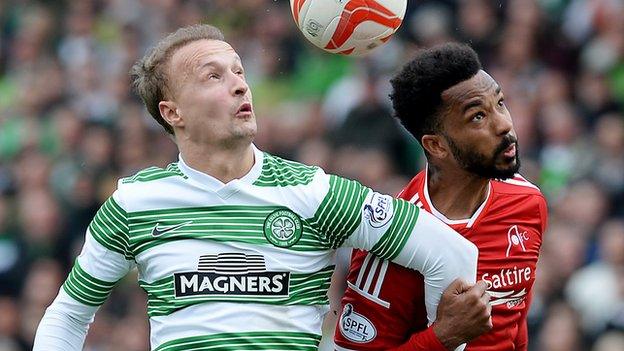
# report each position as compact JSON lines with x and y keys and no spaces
{"x":348,"y":27}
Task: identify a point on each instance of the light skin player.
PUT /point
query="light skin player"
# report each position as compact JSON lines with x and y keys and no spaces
{"x":193,"y":84}
{"x":464,"y":309}
{"x":457,"y":112}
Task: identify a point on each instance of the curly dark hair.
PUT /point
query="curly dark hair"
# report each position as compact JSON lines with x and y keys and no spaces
{"x":417,"y":88}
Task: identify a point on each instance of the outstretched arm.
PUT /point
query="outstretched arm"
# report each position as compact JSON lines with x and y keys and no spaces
{"x":64,"y":325}
{"x":352,"y":215}
{"x":103,"y":261}
{"x":440,"y":254}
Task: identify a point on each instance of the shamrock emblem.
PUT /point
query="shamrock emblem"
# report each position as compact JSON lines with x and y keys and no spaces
{"x":283,"y":228}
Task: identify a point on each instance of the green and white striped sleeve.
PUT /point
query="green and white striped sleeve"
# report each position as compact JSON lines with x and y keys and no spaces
{"x":352,"y":215}
{"x":104,"y":260}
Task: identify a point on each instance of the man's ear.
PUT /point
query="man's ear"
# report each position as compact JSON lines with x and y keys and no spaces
{"x":171,"y":113}
{"x":435,"y":145}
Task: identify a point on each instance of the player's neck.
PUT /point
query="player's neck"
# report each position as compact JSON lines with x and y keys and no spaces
{"x":456,"y":194}
{"x":222,"y":163}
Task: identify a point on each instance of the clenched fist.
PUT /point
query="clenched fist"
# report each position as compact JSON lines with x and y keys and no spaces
{"x":464,"y":313}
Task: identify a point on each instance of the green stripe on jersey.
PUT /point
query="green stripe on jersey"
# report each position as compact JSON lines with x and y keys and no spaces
{"x":393,"y":240}
{"x":294,"y":341}
{"x":154,"y":173}
{"x":279,"y":172}
{"x":243,"y":224}
{"x":339,"y":214}
{"x":85,"y":288}
{"x":109,"y":227}
{"x":304,"y":289}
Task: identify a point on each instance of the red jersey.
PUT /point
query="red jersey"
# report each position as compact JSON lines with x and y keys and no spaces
{"x":383,"y":306}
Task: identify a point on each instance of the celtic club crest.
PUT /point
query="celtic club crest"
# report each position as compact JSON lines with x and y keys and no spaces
{"x":283,"y":228}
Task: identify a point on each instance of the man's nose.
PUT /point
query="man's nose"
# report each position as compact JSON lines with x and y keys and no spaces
{"x":503,"y":124}
{"x":239,"y":87}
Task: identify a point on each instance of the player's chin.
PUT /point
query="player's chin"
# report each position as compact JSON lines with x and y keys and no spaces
{"x":507,"y":168}
{"x":248,"y":130}
{"x":245,"y":122}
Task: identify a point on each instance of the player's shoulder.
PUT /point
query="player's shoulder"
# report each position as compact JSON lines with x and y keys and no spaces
{"x":148,"y":183}
{"x":411,"y":191}
{"x":517,"y":184}
{"x":152,"y":174}
{"x":277,"y":171}
{"x":522,"y":196}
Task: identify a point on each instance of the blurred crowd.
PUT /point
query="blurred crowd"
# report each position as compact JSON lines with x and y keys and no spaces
{"x":70,"y":126}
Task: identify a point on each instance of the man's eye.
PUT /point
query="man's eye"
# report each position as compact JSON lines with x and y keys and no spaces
{"x":478,"y":116}
{"x":213,"y":76}
{"x":501,"y":102}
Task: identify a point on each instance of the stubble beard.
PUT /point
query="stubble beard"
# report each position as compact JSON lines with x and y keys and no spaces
{"x":483,"y":166}
{"x":242,"y":133}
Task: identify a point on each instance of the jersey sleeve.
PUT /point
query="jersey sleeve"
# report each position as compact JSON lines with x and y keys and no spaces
{"x":543,"y":211}
{"x":522,"y":338}
{"x":424,"y":340}
{"x":352,"y":215}
{"x":104,"y":260}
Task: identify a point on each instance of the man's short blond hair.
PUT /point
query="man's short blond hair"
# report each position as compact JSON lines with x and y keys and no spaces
{"x":149,"y":74}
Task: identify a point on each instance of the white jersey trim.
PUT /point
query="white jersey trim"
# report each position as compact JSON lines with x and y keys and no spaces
{"x":358,"y":281}
{"x":338,"y":348}
{"x":368,"y":296}
{"x":214,"y":184}
{"x":520,"y":182}
{"x":378,"y":268}
{"x":380,"y":278}
{"x":467,"y":221}
{"x":371,"y":274}
{"x":414,"y":198}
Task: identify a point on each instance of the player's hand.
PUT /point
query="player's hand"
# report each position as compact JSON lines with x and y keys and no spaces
{"x":463,"y":314}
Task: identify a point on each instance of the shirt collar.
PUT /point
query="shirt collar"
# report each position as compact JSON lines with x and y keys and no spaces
{"x":206,"y":180}
{"x":468,"y":222}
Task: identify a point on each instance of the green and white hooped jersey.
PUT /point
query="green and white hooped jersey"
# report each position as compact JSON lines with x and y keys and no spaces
{"x":239,"y":266}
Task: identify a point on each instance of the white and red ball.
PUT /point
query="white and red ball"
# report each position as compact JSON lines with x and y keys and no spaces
{"x":348,"y":27}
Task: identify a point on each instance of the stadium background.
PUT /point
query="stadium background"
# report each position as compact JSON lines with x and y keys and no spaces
{"x":70,"y":126}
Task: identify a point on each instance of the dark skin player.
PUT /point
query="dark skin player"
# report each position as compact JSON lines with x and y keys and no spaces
{"x":457,"y":112}
{"x":476,"y":143}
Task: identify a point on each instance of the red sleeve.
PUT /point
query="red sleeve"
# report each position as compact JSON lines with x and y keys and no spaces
{"x":425,"y":340}
{"x":522,"y":338}
{"x":543,"y":210}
